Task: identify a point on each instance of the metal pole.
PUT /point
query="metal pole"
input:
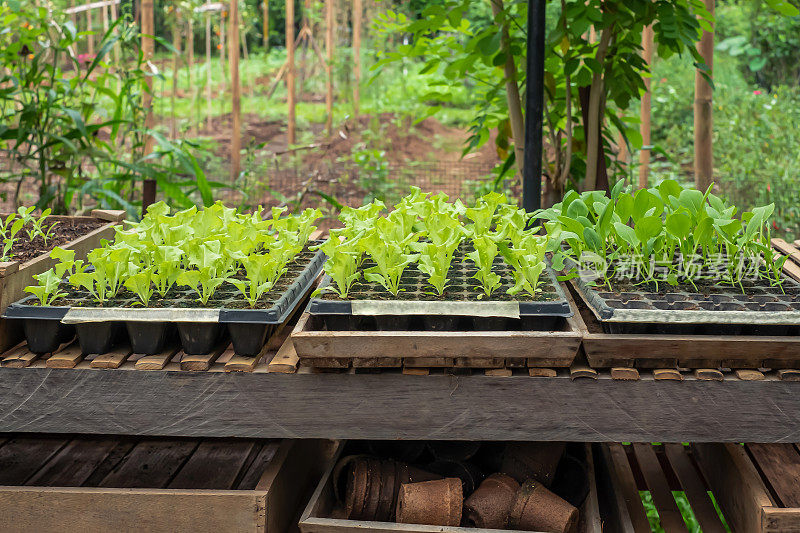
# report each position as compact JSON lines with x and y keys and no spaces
{"x":534,"y":104}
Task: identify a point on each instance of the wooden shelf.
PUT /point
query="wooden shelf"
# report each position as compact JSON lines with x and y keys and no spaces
{"x":577,"y":405}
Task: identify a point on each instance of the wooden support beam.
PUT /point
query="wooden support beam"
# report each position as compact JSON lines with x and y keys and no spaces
{"x":236,"y":111}
{"x":357,"y":11}
{"x":148,"y":31}
{"x":266,"y":25}
{"x":645,"y":108}
{"x":703,"y":114}
{"x":330,"y":23}
{"x":290,"y":74}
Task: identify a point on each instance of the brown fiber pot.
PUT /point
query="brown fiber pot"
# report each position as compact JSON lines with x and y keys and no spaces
{"x":435,"y":503}
{"x":489,"y":505}
{"x":538,"y":509}
{"x":533,"y":460}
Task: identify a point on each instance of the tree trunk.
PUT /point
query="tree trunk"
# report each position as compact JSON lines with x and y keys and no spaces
{"x":233,"y":56}
{"x":593,"y":123}
{"x":703,"y":118}
{"x":600,"y":176}
{"x":356,"y":58}
{"x":512,"y":90}
{"x":290,"y":73}
{"x":330,"y":23}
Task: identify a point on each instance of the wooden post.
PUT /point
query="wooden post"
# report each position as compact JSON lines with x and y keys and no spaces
{"x":208,"y":70}
{"x":117,"y":52}
{"x":222,"y":44}
{"x":703,"y":118}
{"x":290,"y":72}
{"x":190,"y":66}
{"x":266,"y":25}
{"x":105,"y":19}
{"x":356,"y":57}
{"x":148,"y":186}
{"x":89,"y":29}
{"x":644,"y":126}
{"x":176,"y":44}
{"x":330,"y":22}
{"x":233,"y":55}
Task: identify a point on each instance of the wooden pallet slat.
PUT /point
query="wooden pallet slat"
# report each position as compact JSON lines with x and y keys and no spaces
{"x":156,"y":361}
{"x":199,"y":363}
{"x":22,"y":457}
{"x":214,"y":464}
{"x":74,"y":463}
{"x":151,"y":463}
{"x":67,"y":358}
{"x":668,"y":512}
{"x":693,"y":487}
{"x":780,"y":463}
{"x":112,"y":359}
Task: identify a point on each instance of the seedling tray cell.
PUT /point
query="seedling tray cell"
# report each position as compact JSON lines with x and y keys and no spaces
{"x":462,"y":296}
{"x":200,"y":328}
{"x":760,"y":309}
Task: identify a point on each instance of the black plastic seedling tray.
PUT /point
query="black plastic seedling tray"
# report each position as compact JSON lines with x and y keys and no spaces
{"x":461,"y":300}
{"x":761,"y":309}
{"x":149,"y":330}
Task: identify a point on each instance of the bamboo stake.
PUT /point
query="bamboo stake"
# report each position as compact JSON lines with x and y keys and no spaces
{"x":222,"y":49}
{"x":176,"y":44}
{"x":703,"y":117}
{"x":290,"y":73}
{"x":89,"y":29}
{"x":330,"y":20}
{"x":266,"y":25}
{"x":644,"y":128}
{"x":356,"y":57}
{"x":233,"y":55}
{"x":114,"y":17}
{"x":190,"y":66}
{"x":208,"y":71}
{"x":148,"y":186}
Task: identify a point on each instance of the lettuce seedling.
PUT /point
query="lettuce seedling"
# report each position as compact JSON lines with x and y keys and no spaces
{"x":37,"y":227}
{"x":444,"y":235}
{"x":526,"y":259}
{"x":483,"y":257}
{"x":141,"y":283}
{"x":204,"y":282}
{"x":167,"y":268}
{"x":344,"y":259}
{"x":48,"y":289}
{"x":390,"y":259}
{"x":263,"y":271}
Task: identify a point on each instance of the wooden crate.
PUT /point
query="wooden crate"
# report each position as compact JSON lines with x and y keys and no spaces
{"x":316,"y":517}
{"x":111,"y":484}
{"x":756,"y":485}
{"x":15,"y":276}
{"x":625,"y":470}
{"x":317,"y":347}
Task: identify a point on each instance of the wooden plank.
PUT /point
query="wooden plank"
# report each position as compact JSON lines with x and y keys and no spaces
{"x":708,"y":374}
{"x":67,"y":358}
{"x":213,"y":465}
{"x":415,"y":371}
{"x":122,"y":448}
{"x":255,"y":467}
{"x":131,"y":510}
{"x":623,"y":373}
{"x":157,"y":361}
{"x":616,"y":517}
{"x":668,"y":512}
{"x":307,"y":405}
{"x":429,"y":362}
{"x":746,"y":374}
{"x":22,"y":457}
{"x":542,"y":372}
{"x":606,"y":350}
{"x":671,"y":374}
{"x":777,"y":520}
{"x":786,"y":249}
{"x":8,"y":267}
{"x":195,"y":363}
{"x":151,"y":464}
{"x":546,"y":349}
{"x":780,"y":464}
{"x":499,"y":372}
{"x":110,"y":215}
{"x":87,"y":7}
{"x":73,"y":465}
{"x":18,"y":357}
{"x":286,"y":360}
{"x":621,"y":470}
{"x":694,"y":488}
{"x":240,"y":363}
{"x":112,"y":359}
{"x":735,"y":483}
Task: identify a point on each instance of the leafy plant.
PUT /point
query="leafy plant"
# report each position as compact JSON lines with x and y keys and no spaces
{"x":483,"y":257}
{"x":342,"y":263}
{"x":444,"y":234}
{"x":390,"y":258}
{"x":48,"y":289}
{"x":37,"y":226}
{"x":141,"y":283}
{"x":527,"y":260}
{"x":668,"y":233}
{"x":9,"y":228}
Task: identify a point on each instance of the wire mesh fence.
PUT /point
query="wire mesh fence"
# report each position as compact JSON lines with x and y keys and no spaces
{"x":347,"y":183}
